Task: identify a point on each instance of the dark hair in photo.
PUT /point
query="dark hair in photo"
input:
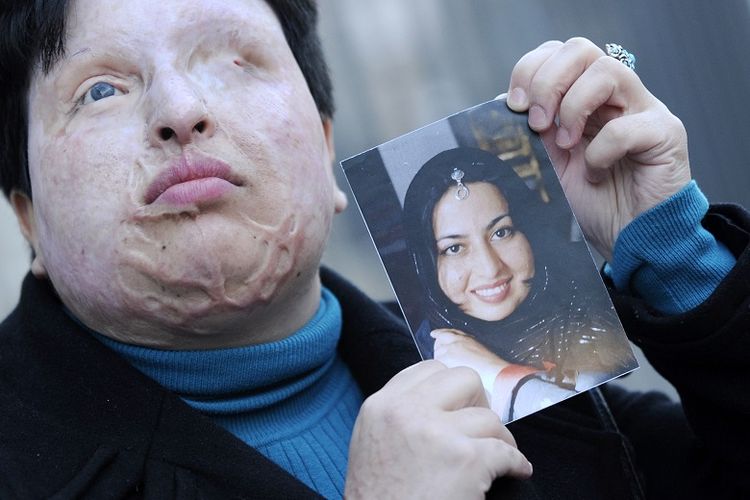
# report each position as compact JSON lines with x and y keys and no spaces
{"x":32,"y":37}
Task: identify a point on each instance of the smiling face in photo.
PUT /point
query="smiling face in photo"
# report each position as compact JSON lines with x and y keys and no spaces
{"x":484,"y":263}
{"x":180,"y":169}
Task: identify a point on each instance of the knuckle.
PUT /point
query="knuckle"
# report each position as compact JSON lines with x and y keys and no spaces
{"x":468,"y":376}
{"x":574,"y":115}
{"x":616,"y":71}
{"x":606,"y":65}
{"x":577,"y":41}
{"x":522,"y":68}
{"x":609,"y":71}
{"x":528,"y":62}
{"x":508,"y":451}
{"x":372,"y":405}
{"x":550,"y":44}
{"x":382,"y":407}
{"x":436,"y":435}
{"x":674,"y":125}
{"x":612,"y":131}
{"x":580,"y":43}
{"x":546,"y":91}
{"x":421,"y":369}
{"x":669,"y":129}
{"x":489,"y":422}
{"x":464,"y":453}
{"x":431,"y":364}
{"x":494,"y":424}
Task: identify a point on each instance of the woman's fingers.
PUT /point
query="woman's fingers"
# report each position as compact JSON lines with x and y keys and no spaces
{"x":555,"y":76}
{"x":481,"y":423}
{"x":503,"y":459}
{"x":594,"y":114}
{"x":653,"y":137}
{"x":541,"y":78}
{"x":452,"y":453}
{"x":446,"y":388}
{"x":573,"y":80}
{"x":608,"y":82}
{"x":524,"y":71}
{"x":414,"y":375}
{"x":455,"y":388}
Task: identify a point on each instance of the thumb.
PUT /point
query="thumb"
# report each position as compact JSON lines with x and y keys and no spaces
{"x":503,"y":459}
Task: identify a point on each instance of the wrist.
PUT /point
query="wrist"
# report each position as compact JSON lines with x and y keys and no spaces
{"x":666,"y":256}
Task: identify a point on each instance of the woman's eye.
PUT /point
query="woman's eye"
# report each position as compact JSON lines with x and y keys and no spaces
{"x":98,"y":91}
{"x":452,"y":250}
{"x":502,"y":233}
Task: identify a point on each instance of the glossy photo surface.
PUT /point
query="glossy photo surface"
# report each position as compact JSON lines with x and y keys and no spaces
{"x":487,"y":260}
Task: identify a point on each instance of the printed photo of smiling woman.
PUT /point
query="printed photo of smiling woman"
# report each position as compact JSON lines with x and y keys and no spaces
{"x":507,"y":292}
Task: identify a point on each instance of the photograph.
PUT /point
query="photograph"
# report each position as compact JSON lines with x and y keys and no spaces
{"x":487,"y":260}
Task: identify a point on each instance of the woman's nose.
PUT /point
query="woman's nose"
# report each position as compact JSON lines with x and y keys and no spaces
{"x":179,"y":113}
{"x":487,"y":262}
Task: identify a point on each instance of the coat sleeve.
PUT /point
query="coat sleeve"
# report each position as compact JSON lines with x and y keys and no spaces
{"x":705,"y":354}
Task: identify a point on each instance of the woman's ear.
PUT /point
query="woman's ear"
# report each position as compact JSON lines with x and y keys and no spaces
{"x":339,"y":197}
{"x":24,"y":210}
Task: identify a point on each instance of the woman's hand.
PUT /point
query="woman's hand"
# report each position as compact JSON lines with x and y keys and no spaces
{"x":428,"y":433}
{"x":455,"y":348}
{"x":617,"y":150}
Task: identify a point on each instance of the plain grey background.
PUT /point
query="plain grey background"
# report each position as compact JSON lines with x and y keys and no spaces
{"x":398,"y":65}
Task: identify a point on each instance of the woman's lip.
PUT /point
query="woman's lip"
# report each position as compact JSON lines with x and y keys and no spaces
{"x":493,"y":293}
{"x":195,"y":191}
{"x":191,"y":180}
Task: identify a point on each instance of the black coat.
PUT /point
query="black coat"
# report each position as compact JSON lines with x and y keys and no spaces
{"x":76,"y":420}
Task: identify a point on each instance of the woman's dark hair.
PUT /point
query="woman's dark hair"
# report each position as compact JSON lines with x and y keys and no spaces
{"x":32,"y":34}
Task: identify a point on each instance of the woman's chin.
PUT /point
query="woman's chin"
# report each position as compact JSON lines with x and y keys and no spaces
{"x":489,"y":316}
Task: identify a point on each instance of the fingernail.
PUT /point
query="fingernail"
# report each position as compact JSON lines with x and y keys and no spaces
{"x":517,"y":98}
{"x":563,"y":137}
{"x":537,"y":117}
{"x":530,"y":467}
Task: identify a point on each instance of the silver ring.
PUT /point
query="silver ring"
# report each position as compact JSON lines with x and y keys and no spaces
{"x":615,"y":50}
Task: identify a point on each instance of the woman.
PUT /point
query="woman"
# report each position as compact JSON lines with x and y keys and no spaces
{"x":506,"y":289}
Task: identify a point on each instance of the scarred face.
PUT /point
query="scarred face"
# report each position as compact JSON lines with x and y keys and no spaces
{"x":484,"y":262}
{"x":181,"y":174}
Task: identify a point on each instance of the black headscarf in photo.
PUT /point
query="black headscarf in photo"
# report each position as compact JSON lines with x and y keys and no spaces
{"x":551,"y":319}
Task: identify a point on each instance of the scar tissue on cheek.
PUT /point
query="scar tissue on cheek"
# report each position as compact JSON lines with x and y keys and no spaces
{"x":181,"y":266}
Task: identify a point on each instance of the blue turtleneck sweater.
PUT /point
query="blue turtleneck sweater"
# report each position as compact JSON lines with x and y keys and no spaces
{"x":293,"y":400}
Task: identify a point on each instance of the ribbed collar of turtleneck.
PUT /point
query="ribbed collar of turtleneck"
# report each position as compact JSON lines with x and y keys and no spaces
{"x":242,"y":379}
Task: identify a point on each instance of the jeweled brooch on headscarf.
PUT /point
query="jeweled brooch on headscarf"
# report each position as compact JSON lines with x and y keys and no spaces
{"x":462,"y":192}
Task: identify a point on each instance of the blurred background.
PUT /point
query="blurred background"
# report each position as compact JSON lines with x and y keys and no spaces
{"x":398,"y":65}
